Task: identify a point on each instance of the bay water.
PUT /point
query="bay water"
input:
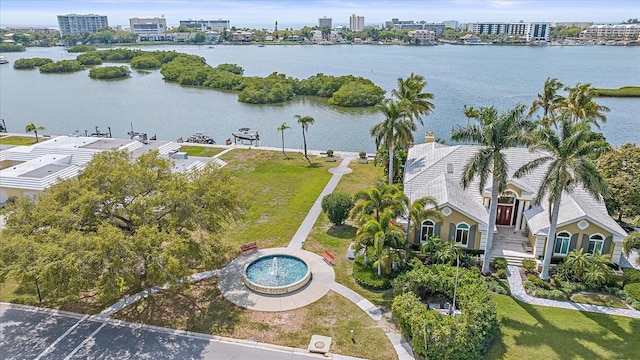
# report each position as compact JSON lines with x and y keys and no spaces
{"x":502,"y":76}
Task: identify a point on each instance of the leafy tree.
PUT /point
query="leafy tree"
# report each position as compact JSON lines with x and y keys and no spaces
{"x":567,"y":153}
{"x":495,"y":133}
{"x":621,"y":169}
{"x":8,"y":47}
{"x":282,"y":128}
{"x":30,"y":63}
{"x":89,"y":58}
{"x":337,"y":206}
{"x":109,"y":72}
{"x":396,"y":128}
{"x":418,"y":102}
{"x":631,"y":242}
{"x":357,"y":93}
{"x":146,"y":62}
{"x":304,"y":122}
{"x":232,"y":68}
{"x":62,"y":66}
{"x":31,"y":127}
{"x":122,"y":225}
{"x":399,"y":161}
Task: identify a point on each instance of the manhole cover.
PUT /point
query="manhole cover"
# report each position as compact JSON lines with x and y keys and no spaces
{"x":319,"y":344}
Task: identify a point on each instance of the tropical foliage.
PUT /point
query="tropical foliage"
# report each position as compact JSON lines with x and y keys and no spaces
{"x":304,"y":122}
{"x":282,"y":128}
{"x":81,"y":48}
{"x":31,"y":127}
{"x":89,"y":58}
{"x":62,"y":66}
{"x":494,"y":133}
{"x":122,"y":225}
{"x":621,"y":169}
{"x":8,"y":47}
{"x":396,"y":129}
{"x":434,"y":335}
{"x":567,"y":153}
{"x":30,"y":63}
{"x":109,"y":72}
{"x":383,"y":235}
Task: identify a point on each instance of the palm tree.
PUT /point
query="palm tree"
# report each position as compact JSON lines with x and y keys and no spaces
{"x":382,"y":234}
{"x":282,"y":128}
{"x":578,"y":262}
{"x":304,"y":122}
{"x":448,"y":252}
{"x":581,"y":104}
{"x":549,"y":101}
{"x":33,"y":127}
{"x":470,"y":112}
{"x":567,"y":152}
{"x":421,"y":209}
{"x":495,"y":133}
{"x":396,"y":128}
{"x":410,"y":89}
{"x":597,"y":272}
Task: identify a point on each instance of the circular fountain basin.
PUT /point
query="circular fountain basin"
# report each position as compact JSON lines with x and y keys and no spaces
{"x":276,"y":274}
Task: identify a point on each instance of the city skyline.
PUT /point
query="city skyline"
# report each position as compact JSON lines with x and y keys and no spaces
{"x":295,"y":14}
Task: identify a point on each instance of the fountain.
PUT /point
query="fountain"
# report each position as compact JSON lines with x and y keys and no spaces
{"x":276,"y":274}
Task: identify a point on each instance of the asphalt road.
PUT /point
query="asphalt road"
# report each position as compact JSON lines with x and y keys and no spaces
{"x":34,"y":333}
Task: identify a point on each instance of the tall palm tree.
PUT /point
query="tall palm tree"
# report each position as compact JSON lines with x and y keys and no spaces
{"x":581,"y":104}
{"x":304,"y":121}
{"x":470,"y":112}
{"x":282,"y":128}
{"x":421,"y":209}
{"x":396,"y":128}
{"x":33,"y":127}
{"x":495,"y":133}
{"x":549,"y":101}
{"x":567,"y":152}
{"x":419,"y":103}
{"x":382,"y":234}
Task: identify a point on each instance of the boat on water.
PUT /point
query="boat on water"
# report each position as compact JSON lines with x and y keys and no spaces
{"x":246,"y":134}
{"x":3,"y":60}
{"x":200,"y":138}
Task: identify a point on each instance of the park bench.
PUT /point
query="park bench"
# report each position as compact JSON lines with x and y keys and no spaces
{"x":247,"y":248}
{"x":328,"y":257}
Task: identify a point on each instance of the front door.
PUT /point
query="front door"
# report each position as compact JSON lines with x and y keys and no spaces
{"x":504,"y":214}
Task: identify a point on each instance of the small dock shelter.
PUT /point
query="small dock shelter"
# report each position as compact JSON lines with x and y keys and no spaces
{"x":246,"y":134}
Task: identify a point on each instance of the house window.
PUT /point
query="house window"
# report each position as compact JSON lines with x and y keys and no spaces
{"x":428,"y":230}
{"x":595,"y":244}
{"x":462,"y":234}
{"x":563,"y":240}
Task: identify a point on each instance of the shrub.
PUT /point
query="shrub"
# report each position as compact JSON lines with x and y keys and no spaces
{"x":630,"y":276}
{"x":357,"y":93}
{"x":337,"y":206}
{"x":329,"y":152}
{"x":529,"y":265}
{"x":446,"y":337}
{"x":362,"y":155}
{"x":31,"y":63}
{"x":498,"y":286}
{"x":538,"y":282}
{"x":109,"y":72}
{"x":633,"y":290}
{"x":367,"y":276}
{"x":500,"y":263}
{"x":502,"y":273}
{"x":232,"y":68}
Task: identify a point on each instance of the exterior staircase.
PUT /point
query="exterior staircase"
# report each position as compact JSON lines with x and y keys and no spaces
{"x":513,"y":246}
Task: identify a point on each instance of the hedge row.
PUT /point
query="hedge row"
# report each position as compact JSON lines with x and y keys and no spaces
{"x":437,"y":336}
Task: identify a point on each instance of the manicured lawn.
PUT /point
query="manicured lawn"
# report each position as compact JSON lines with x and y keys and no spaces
{"x":599,"y":299}
{"x":203,"y":151}
{"x":18,"y":140}
{"x":535,"y":332}
{"x":203,"y":309}
{"x":279,"y":192}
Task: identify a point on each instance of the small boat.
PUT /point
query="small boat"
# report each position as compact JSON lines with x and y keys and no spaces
{"x":200,"y":138}
{"x":246,"y":134}
{"x":3,"y":60}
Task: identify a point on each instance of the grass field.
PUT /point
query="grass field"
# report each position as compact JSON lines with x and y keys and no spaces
{"x":625,"y":91}
{"x":535,"y":332}
{"x":204,"y":151}
{"x":18,"y":140}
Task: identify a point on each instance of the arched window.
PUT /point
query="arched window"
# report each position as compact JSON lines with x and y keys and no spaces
{"x":428,"y":230}
{"x":596,"y":241}
{"x":563,"y":239}
{"x":462,"y":234}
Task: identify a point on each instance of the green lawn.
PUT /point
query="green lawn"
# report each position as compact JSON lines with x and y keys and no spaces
{"x":203,"y":151}
{"x":535,"y":332}
{"x":18,"y":140}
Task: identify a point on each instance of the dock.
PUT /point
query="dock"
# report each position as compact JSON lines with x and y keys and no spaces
{"x":246,"y":134}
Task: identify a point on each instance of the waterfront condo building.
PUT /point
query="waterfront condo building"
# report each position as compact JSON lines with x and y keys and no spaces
{"x":528,"y":31}
{"x":422,"y":36}
{"x":356,"y":23}
{"x":203,"y":25}
{"x":325,"y":22}
{"x":81,"y":24}
{"x":151,"y":29}
{"x":438,"y":29}
{"x":620,"y":31}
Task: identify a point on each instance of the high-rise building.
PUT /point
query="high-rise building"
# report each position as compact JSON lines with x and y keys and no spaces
{"x":453,"y":24}
{"x":356,"y":23}
{"x":81,"y":24}
{"x":325,"y":22}
{"x":529,"y":31}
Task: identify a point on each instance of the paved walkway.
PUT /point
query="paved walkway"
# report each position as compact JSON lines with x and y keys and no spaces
{"x":518,"y":292}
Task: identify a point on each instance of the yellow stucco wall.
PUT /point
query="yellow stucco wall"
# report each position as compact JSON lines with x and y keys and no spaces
{"x":456,"y":218}
{"x":17,"y":193}
{"x":590,"y":230}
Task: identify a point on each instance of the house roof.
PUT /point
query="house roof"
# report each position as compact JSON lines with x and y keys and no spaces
{"x":435,"y":169}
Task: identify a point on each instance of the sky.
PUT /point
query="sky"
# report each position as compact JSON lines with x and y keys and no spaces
{"x":298,"y":13}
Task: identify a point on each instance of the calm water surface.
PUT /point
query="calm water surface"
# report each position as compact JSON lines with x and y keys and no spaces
{"x":456,"y":75}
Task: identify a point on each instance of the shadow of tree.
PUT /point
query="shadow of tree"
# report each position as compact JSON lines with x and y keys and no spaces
{"x":342,"y":231}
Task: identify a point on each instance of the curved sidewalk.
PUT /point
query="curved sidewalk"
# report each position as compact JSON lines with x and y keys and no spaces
{"x":518,"y":292}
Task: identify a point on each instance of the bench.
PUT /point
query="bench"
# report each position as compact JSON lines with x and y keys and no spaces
{"x":328,"y":257}
{"x":247,"y":248}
